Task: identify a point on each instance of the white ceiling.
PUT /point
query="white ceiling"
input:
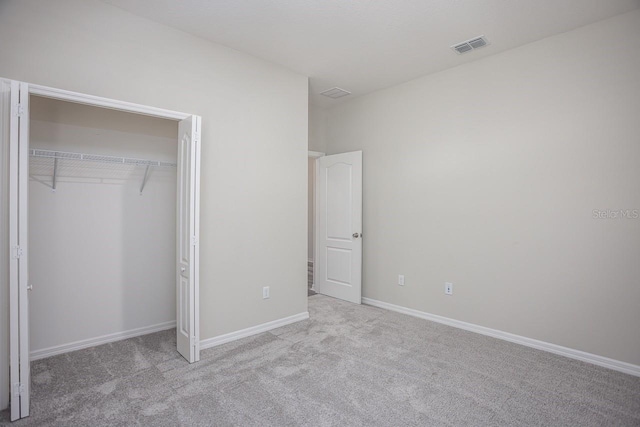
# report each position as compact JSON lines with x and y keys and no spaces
{"x":366,"y":45}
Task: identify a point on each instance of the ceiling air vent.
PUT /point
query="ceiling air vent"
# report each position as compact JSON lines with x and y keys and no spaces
{"x":335,"y":92}
{"x":469,"y":45}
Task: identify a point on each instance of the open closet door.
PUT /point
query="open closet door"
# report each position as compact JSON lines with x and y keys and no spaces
{"x":339,"y":226}
{"x":18,"y":272}
{"x":187,"y":298}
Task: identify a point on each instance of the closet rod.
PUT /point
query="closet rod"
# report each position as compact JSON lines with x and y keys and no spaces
{"x":97,"y":158}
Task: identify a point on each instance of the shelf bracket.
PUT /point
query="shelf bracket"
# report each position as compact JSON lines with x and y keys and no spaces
{"x":144,"y":180}
{"x":55,"y":174}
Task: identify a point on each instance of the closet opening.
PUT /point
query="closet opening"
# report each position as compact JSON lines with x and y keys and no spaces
{"x":102,"y":225}
{"x":103,"y":220}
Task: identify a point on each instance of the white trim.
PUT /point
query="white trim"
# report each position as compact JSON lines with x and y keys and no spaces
{"x":315,"y":154}
{"x":23,"y":241}
{"x":254,"y":330}
{"x":14,"y":302}
{"x":114,"y":104}
{"x":316,"y":244}
{"x":583,"y":356}
{"x":196,"y":227}
{"x":92,"y":342}
{"x":5,"y":119}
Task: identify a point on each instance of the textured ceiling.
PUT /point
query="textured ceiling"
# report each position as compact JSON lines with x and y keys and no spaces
{"x":366,"y":45}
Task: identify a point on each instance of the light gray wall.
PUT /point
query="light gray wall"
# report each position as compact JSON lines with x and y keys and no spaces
{"x":317,"y":129}
{"x":318,"y":143}
{"x":67,"y":126}
{"x":98,"y":250}
{"x":487,"y":176}
{"x":254,"y":141}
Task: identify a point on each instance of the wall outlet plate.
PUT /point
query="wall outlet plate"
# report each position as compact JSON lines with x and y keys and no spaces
{"x":401,"y":279}
{"x":265,"y":292}
{"x":448,"y":288}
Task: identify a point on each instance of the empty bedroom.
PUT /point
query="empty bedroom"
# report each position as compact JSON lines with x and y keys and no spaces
{"x":320,"y":213}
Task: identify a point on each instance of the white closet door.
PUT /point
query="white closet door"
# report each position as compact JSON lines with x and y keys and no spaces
{"x":18,"y":271}
{"x":187,"y":298}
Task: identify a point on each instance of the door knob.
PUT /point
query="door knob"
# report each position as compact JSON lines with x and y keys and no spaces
{"x":356,"y":235}
{"x":29,"y":287}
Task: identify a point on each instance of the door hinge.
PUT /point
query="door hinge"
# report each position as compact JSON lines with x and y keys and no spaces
{"x":19,"y":110}
{"x":17,"y":252}
{"x":196,"y":136}
{"x":19,"y":389}
{"x":194,"y":240}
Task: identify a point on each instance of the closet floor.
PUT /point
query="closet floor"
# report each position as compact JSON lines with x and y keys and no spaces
{"x":347,"y":365}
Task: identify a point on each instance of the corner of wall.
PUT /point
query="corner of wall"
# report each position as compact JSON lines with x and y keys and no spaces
{"x":317,"y":129}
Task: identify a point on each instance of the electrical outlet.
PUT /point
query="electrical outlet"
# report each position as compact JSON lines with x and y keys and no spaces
{"x":265,"y":292}
{"x":448,"y":288}
{"x":401,"y":279}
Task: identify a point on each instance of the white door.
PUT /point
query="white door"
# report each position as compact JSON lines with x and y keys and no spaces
{"x":18,"y":271}
{"x":339,"y":226}
{"x":187,"y":239}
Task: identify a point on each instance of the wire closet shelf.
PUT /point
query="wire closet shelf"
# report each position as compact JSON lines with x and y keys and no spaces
{"x":96,"y":167}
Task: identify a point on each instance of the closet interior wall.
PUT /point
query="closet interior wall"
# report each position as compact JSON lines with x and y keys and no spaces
{"x":102,"y":254}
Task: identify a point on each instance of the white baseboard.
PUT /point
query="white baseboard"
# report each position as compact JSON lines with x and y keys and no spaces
{"x":92,"y":342}
{"x":606,"y":362}
{"x":254,"y":330}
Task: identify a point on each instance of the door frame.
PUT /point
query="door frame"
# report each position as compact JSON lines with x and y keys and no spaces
{"x":315,"y":155}
{"x":97,"y":101}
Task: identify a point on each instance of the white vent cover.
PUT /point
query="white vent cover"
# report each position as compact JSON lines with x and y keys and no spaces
{"x":335,"y":92}
{"x":469,"y":45}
